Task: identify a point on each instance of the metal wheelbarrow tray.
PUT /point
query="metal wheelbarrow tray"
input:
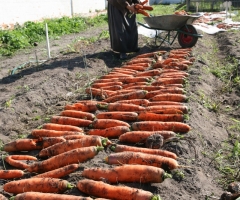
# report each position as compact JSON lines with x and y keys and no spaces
{"x":181,"y":24}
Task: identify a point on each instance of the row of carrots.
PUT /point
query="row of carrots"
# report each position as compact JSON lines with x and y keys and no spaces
{"x":144,"y":97}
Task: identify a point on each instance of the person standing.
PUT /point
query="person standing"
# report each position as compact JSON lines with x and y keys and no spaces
{"x":123,"y":28}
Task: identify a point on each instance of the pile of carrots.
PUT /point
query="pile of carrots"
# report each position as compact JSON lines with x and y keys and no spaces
{"x":143,"y":97}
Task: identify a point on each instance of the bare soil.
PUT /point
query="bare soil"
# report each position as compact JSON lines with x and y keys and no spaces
{"x":34,"y":93}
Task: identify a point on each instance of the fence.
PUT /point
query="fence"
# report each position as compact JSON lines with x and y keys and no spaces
{"x":212,"y":5}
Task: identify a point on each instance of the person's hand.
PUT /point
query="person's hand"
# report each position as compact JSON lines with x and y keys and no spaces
{"x":132,"y":9}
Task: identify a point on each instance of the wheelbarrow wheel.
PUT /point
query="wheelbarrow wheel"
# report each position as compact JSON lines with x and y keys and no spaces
{"x":186,"y":40}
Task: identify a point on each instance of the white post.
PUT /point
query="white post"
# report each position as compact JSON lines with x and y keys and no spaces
{"x":47,"y":39}
{"x":72,"y":8}
{"x":197,"y":4}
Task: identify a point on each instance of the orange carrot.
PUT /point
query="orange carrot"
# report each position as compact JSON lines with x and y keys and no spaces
{"x":122,"y":92}
{"x":144,"y":2}
{"x":107,"y":123}
{"x":141,"y":136}
{"x":178,"y":127}
{"x":184,"y":109}
{"x":164,"y":81}
{"x":112,"y":88}
{"x":70,"y":157}
{"x":60,"y":127}
{"x":78,"y":114}
{"x":58,"y":173}
{"x":128,"y":157}
{"x":134,"y":84}
{"x":10,"y":174}
{"x":73,"y":137}
{"x":136,"y":79}
{"x":143,"y":12}
{"x":165,"y":110}
{"x":150,"y":8}
{"x":156,"y":103}
{"x":140,"y":94}
{"x":148,"y":116}
{"x":125,"y":71}
{"x":99,"y":92}
{"x":126,"y":174}
{"x":100,"y":85}
{"x":49,"y":141}
{"x":104,"y":190}
{"x":70,"y":121}
{"x":171,"y":90}
{"x":122,"y":148}
{"x":113,"y":80}
{"x":52,"y":133}
{"x":51,"y":185}
{"x":68,"y":145}
{"x":122,"y":107}
{"x":116,"y":75}
{"x":111,"y":132}
{"x":140,"y":102}
{"x":47,"y":196}
{"x":123,"y":116}
{"x":13,"y":160}
{"x":153,"y":72}
{"x":89,"y":106}
{"x":138,"y":6}
{"x":170,"y":97}
{"x":21,"y":145}
{"x":140,"y":60}
{"x":136,"y":67}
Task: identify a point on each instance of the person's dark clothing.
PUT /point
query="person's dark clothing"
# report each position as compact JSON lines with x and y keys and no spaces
{"x":122,"y":27}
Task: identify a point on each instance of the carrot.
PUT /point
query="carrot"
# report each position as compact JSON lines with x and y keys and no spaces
{"x":173,"y":76}
{"x":156,"y":103}
{"x":170,"y":97}
{"x":3,"y":197}
{"x":52,"y":133}
{"x":122,"y":107}
{"x":165,"y":110}
{"x":150,"y":54}
{"x":89,"y":106}
{"x":164,"y":81}
{"x":73,"y":144}
{"x":111,"y":132}
{"x":21,"y":145}
{"x":113,"y":80}
{"x":170,"y":90}
{"x":104,"y":190}
{"x":58,"y":173}
{"x":123,"y":116}
{"x":148,"y":116}
{"x":161,"y":126}
{"x":184,"y":109}
{"x":140,"y":60}
{"x":107,"y":123}
{"x":127,"y":174}
{"x":125,"y":86}
{"x":73,"y":137}
{"x":140,"y":102}
{"x":10,"y":174}
{"x":49,"y":141}
{"x":99,"y":92}
{"x":153,"y":72}
{"x":47,"y":196}
{"x":116,"y":75}
{"x":78,"y":114}
{"x":137,"y":87}
{"x":52,"y":185}
{"x":125,"y":71}
{"x":70,"y":121}
{"x":112,"y":88}
{"x":100,"y":85}
{"x":128,"y":157}
{"x":119,"y":74}
{"x":74,"y":156}
{"x":136,"y":79}
{"x":13,"y":160}
{"x":138,"y":6}
{"x":150,"y":8}
{"x":121,"y":148}
{"x":61,"y":127}
{"x":143,"y":12}
{"x":136,"y":67}
{"x":141,"y":136}
{"x":140,"y":94}
{"x":121,"y":92}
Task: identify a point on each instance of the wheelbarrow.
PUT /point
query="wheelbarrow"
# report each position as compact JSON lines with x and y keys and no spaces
{"x":173,"y":26}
